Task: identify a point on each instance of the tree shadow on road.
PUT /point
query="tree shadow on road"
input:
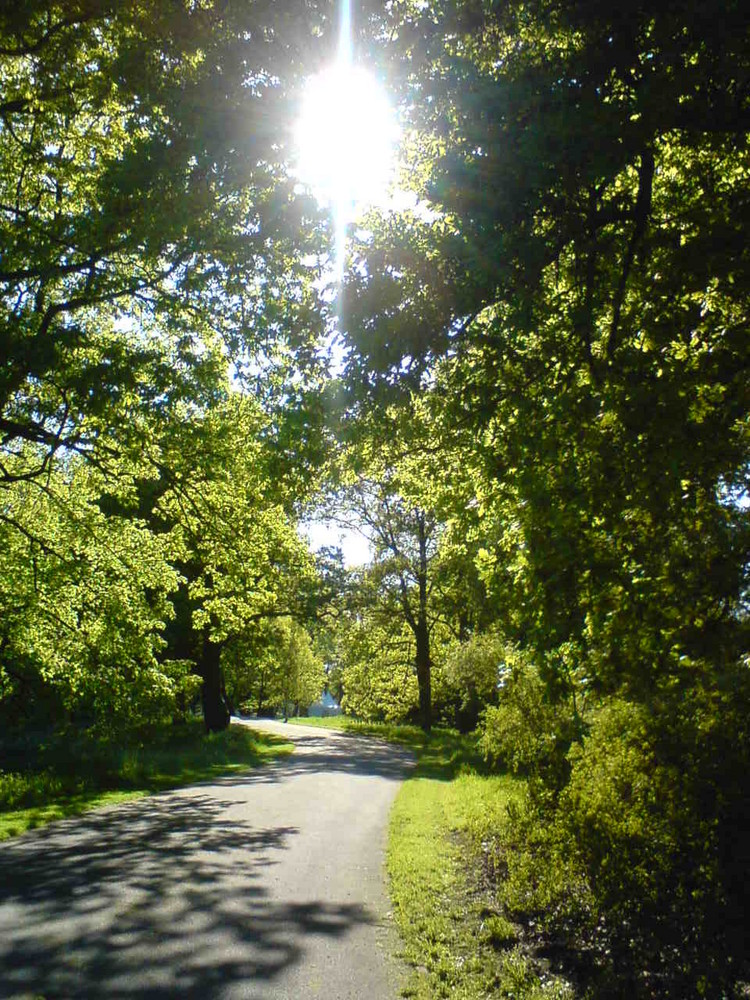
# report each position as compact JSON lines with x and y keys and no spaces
{"x":161,"y":897}
{"x":353,"y":755}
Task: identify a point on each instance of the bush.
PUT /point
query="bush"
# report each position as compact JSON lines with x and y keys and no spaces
{"x":638,"y":867}
{"x":472,"y":674}
{"x":651,"y":827}
{"x":526,"y":732}
{"x":380,"y":690}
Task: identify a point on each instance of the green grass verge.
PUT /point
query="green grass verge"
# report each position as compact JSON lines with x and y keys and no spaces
{"x":455,"y":936}
{"x":63,"y":777}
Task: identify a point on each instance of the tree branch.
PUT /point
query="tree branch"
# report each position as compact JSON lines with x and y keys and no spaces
{"x":641,"y":213}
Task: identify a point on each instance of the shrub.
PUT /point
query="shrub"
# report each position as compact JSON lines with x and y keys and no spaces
{"x":380,"y":690}
{"x":631,"y":852}
{"x":472,"y":675}
{"x":644,"y":815}
{"x":527,"y":732}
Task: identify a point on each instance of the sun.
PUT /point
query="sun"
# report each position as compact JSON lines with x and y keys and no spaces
{"x":345,"y":137}
{"x":345,"y":142}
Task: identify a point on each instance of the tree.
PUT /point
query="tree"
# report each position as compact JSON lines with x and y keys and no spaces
{"x":147,"y":246}
{"x":473,"y":672}
{"x":578,"y":301}
{"x":579,"y":307}
{"x":276,"y":669}
{"x":234,"y":537}
{"x":403,"y":488}
{"x":301,"y":672}
{"x":376,"y":663}
{"x":139,"y":187}
{"x":84,"y":600}
{"x":404,"y":539}
{"x":115,"y":588}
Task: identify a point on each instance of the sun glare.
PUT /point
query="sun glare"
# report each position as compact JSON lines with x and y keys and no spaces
{"x":345,"y":137}
{"x":345,"y":142}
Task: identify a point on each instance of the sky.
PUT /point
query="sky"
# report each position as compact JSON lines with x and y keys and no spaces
{"x":353,"y":544}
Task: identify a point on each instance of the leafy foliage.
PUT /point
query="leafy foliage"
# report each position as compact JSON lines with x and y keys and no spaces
{"x":572,"y":307}
{"x":127,"y":205}
{"x":85,"y":600}
{"x":473,"y":672}
{"x":149,"y":250}
{"x":526,"y":732}
{"x":543,"y":418}
{"x":378,"y":679}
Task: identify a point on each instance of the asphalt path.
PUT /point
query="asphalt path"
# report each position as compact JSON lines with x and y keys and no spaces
{"x":264,"y":885}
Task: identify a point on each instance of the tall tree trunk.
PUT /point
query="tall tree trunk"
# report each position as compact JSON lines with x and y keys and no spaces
{"x":422,"y":635}
{"x":215,"y":711}
{"x":424,"y":679}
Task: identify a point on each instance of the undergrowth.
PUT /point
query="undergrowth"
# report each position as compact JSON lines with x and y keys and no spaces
{"x":48,"y":777}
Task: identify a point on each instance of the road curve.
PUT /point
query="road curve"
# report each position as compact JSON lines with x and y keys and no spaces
{"x":264,"y":885}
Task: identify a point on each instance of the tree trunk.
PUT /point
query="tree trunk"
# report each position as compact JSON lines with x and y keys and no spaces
{"x":215,"y":711}
{"x":261,"y":695}
{"x":424,"y":679}
{"x":422,"y":635}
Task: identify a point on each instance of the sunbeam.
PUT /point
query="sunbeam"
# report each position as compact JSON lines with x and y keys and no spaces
{"x":345,"y":139}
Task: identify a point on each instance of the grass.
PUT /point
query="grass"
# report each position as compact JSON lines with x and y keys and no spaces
{"x":455,"y":936}
{"x":55,"y":777}
{"x":434,"y":865}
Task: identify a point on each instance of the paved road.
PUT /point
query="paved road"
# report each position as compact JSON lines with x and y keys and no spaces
{"x":267,"y":885}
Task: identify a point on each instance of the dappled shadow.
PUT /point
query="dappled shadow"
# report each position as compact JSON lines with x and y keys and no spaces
{"x":161,"y":897}
{"x":332,"y":752}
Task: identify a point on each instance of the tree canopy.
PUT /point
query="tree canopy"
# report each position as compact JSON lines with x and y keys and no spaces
{"x":150,"y":243}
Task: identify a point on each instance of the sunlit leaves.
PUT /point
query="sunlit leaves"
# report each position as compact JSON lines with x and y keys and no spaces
{"x":140,"y":180}
{"x":85,"y":598}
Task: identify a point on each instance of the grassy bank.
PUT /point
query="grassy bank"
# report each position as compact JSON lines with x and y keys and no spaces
{"x":45,"y":779}
{"x":455,"y":936}
{"x":443,"y":886}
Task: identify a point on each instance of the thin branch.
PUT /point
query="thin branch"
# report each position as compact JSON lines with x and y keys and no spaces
{"x":30,"y":48}
{"x":641,"y":214}
{"x":34,"y":539}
